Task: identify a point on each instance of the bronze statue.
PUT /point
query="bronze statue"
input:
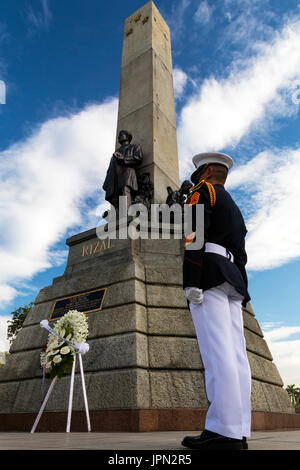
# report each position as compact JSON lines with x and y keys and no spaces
{"x":145,"y":194}
{"x":121,"y":178}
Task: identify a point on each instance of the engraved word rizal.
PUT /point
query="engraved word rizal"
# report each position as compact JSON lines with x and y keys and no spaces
{"x":96,"y":247}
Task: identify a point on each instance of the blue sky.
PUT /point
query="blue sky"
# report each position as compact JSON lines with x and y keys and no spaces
{"x":237,"y":85}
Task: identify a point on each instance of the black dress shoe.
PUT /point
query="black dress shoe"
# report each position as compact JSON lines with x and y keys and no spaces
{"x":245,"y":443}
{"x":209,"y":440}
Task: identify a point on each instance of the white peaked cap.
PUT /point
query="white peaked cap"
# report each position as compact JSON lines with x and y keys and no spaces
{"x":212,"y":157}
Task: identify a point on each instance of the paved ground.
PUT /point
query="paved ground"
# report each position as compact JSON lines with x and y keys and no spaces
{"x":268,"y":440}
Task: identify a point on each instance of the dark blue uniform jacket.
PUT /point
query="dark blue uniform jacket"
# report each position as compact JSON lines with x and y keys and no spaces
{"x":224,"y":225}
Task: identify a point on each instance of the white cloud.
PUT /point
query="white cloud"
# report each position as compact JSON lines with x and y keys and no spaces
{"x":4,"y":343}
{"x":269,"y":325}
{"x":7,"y":294}
{"x":224,"y":111}
{"x":4,"y":38}
{"x":281,"y":333}
{"x":47,"y":15}
{"x":44,"y":181}
{"x":39,"y":19}
{"x":180,"y":79}
{"x":286,"y":354}
{"x":175,"y":19}
{"x":247,"y":20}
{"x":271,"y":182}
{"x":203,"y":13}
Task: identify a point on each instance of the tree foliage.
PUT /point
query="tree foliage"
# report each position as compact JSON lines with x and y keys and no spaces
{"x":16,"y":323}
{"x":294,"y":394}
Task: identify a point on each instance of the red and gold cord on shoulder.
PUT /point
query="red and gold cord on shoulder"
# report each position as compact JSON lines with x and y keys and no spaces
{"x":198,"y":185}
{"x":193,"y":198}
{"x":212,"y":194}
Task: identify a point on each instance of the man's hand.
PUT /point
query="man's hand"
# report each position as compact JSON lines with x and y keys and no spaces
{"x":194,"y":295}
{"x":119,"y":155}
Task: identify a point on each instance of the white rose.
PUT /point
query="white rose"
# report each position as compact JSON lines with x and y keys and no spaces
{"x":51,"y":353}
{"x":57,"y":359}
{"x":65,"y":350}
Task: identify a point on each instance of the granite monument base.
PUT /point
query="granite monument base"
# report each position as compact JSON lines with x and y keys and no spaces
{"x":144,"y":370}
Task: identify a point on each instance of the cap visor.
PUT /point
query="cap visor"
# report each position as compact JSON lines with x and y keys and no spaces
{"x":195,"y":176}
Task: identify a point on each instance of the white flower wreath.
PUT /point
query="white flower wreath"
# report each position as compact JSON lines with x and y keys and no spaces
{"x":68,"y":338}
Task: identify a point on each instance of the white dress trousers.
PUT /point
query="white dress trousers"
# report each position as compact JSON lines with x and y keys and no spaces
{"x":219,"y":328}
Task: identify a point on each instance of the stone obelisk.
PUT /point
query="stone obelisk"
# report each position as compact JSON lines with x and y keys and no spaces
{"x":143,"y":371}
{"x":146,"y":101}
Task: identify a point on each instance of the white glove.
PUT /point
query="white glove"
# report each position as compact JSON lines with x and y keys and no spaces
{"x":194,"y":295}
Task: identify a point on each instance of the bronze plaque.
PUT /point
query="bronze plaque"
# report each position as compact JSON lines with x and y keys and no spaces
{"x":85,"y":303}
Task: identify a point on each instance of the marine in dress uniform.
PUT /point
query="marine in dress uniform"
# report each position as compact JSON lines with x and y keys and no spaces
{"x":216,"y":286}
